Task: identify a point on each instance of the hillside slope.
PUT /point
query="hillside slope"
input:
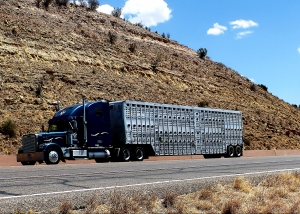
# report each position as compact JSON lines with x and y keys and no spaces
{"x":65,"y":53}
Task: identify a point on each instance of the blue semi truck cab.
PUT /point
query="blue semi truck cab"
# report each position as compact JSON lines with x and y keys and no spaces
{"x":77,"y":131}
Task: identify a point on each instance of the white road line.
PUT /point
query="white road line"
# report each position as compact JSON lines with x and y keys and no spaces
{"x":150,"y":183}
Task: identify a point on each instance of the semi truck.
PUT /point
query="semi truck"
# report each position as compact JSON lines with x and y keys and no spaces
{"x":132,"y":131}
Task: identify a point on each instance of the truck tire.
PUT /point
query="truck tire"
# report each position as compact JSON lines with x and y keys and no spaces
{"x":52,"y":156}
{"x":28,"y":163}
{"x":230,"y":152}
{"x":238,"y":151}
{"x":125,"y":155}
{"x":139,"y":154}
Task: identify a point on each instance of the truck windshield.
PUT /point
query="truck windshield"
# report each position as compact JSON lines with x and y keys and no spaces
{"x":59,"y":127}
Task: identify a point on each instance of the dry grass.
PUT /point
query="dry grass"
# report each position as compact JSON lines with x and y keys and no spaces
{"x":274,"y":194}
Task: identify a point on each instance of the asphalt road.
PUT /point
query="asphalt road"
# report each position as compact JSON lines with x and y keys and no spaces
{"x":27,"y":183}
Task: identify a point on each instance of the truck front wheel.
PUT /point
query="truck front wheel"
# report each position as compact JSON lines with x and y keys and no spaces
{"x":52,"y":156}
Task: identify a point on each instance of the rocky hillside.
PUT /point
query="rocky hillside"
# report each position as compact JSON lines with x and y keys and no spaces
{"x":67,"y":52}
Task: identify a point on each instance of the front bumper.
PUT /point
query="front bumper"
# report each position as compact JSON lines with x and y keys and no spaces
{"x":27,"y":157}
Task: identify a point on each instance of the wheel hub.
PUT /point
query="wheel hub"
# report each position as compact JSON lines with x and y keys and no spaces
{"x":53,"y":156}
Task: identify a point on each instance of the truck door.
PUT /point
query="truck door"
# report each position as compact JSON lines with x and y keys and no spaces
{"x":98,"y":124}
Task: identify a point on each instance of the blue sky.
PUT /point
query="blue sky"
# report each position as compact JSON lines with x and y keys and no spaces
{"x":260,"y":39}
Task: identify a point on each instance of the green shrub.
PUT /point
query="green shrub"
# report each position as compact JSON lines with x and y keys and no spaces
{"x":117,"y":12}
{"x":139,"y":24}
{"x":82,"y":3}
{"x":112,"y":37}
{"x":93,"y":4}
{"x":263,"y":87}
{"x":132,"y":47}
{"x":252,"y":87}
{"x":47,"y":3}
{"x":203,"y":104}
{"x":247,"y":142}
{"x":61,"y":2}
{"x":156,"y":61}
{"x":202,"y":52}
{"x":38,"y":2}
{"x":9,"y":127}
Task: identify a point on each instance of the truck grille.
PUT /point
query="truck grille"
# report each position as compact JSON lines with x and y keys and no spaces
{"x":29,"y":143}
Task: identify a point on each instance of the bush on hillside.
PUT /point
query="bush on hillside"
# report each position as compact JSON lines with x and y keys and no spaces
{"x":47,"y":3}
{"x":294,"y":105}
{"x":139,"y":24}
{"x":112,"y":37}
{"x":202,"y":52}
{"x":117,"y":12}
{"x":263,"y":87}
{"x":61,"y":2}
{"x":82,"y":3}
{"x":93,"y":4}
{"x":9,"y":128}
{"x":252,"y":87}
{"x":156,"y":61}
{"x":132,"y":47}
{"x":203,"y":104}
{"x":38,"y":3}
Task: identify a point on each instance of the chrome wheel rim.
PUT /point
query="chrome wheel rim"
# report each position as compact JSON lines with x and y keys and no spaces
{"x":53,"y":156}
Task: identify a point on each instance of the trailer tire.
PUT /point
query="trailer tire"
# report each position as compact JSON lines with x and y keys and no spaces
{"x":230,"y":152}
{"x":125,"y":155}
{"x":139,"y":154}
{"x":28,"y":163}
{"x":52,"y":156}
{"x":238,"y":151}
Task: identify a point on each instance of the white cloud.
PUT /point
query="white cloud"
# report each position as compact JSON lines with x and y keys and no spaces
{"x":252,"y":80}
{"x":243,"y":24}
{"x":105,"y":9}
{"x":243,"y":34}
{"x":299,"y":49}
{"x":148,"y":12}
{"x":216,"y":30}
